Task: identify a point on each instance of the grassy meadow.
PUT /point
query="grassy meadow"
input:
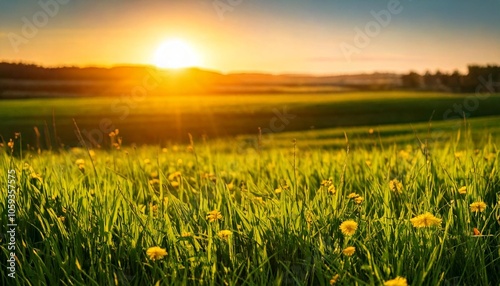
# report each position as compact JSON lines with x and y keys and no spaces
{"x":326,"y":205}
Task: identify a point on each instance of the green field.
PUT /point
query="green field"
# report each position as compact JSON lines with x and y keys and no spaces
{"x":89,"y":218}
{"x":168,"y":119}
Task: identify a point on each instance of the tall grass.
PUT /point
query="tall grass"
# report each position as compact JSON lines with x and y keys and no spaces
{"x":283,"y":207}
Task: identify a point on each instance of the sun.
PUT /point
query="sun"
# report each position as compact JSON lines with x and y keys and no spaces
{"x":175,"y":53}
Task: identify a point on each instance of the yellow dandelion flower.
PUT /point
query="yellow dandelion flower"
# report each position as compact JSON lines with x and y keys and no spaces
{"x":348,"y":227}
{"x":352,"y":196}
{"x":404,"y":154}
{"x":230,"y":186}
{"x":174,"y":184}
{"x":10,"y":144}
{"x":278,"y":191}
{"x":156,"y":253}
{"x":174,"y":175}
{"x":332,"y":190}
{"x":81,"y":164}
{"x":326,"y":183}
{"x":398,"y":281}
{"x":477,"y":207}
{"x":359,"y":200}
{"x":36,"y":176}
{"x":349,"y":251}
{"x":154,"y":182}
{"x":425,"y":220}
{"x":185,"y":234}
{"x":334,"y":279}
{"x":462,"y":190}
{"x":214,"y":216}
{"x":396,"y":186}
{"x":224,"y":234}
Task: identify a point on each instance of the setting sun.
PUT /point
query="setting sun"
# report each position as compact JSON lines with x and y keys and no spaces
{"x":175,"y":53}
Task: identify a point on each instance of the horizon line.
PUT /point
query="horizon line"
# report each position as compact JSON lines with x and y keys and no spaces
{"x":233,"y":72}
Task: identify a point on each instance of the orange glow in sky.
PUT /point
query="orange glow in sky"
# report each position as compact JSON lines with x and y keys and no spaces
{"x":274,"y":36}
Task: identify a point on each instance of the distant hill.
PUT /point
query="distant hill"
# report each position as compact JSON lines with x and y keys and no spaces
{"x":27,"y":81}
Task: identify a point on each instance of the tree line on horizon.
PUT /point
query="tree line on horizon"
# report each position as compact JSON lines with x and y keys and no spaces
{"x":478,"y":79}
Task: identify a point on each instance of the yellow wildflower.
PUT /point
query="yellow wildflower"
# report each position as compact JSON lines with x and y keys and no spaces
{"x":224,"y":234}
{"x":214,"y":216}
{"x":398,"y":281}
{"x":326,"y":183}
{"x":352,"y":196}
{"x":154,"y":182}
{"x":10,"y":144}
{"x":349,"y":251}
{"x":332,"y":190}
{"x":477,"y":207}
{"x":174,"y":175}
{"x":462,"y":190}
{"x":334,"y":279}
{"x":36,"y":176}
{"x":359,"y":200}
{"x":348,"y":227}
{"x":396,"y":186}
{"x":80,"y":163}
{"x":156,"y":253}
{"x":186,"y":234}
{"x":425,"y":220}
{"x":404,"y":154}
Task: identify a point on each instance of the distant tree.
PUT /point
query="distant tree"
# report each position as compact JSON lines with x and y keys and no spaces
{"x":429,"y":80}
{"x":479,"y":76}
{"x":412,"y":80}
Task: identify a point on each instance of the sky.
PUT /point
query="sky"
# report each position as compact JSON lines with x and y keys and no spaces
{"x":271,"y":36}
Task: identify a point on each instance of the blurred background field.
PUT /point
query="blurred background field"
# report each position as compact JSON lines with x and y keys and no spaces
{"x":160,"y":120}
